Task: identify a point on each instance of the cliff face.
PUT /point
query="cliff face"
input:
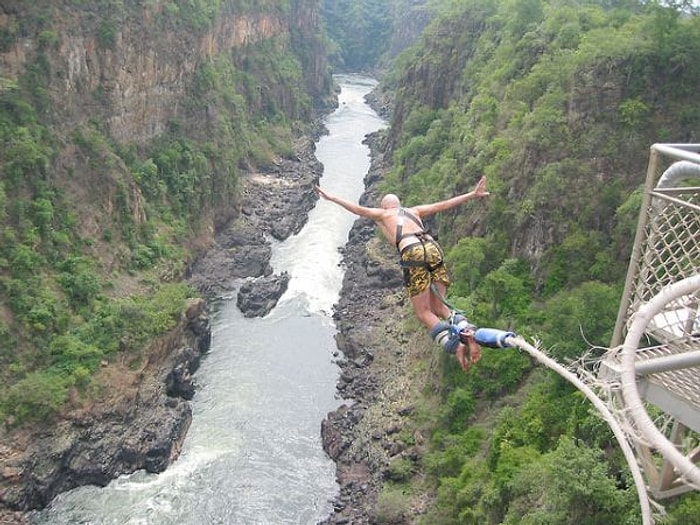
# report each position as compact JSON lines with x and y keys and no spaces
{"x":133,"y":69}
{"x":101,"y":83}
{"x":313,"y":55}
{"x":122,"y":75}
{"x":559,"y":122}
{"x":138,"y":421}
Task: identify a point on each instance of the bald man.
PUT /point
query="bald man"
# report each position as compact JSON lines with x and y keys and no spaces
{"x":422,"y":261}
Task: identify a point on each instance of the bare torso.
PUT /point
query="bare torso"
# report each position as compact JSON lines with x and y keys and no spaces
{"x":389,"y":221}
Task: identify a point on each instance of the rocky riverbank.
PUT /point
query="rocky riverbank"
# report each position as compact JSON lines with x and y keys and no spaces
{"x":142,"y":417}
{"x":274,"y":203}
{"x":370,"y":434}
{"x":138,"y":420}
{"x":143,"y":421}
{"x":367,"y":433}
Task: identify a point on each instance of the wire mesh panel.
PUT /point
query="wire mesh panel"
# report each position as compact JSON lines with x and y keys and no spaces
{"x":664,"y":365}
{"x":667,"y":244}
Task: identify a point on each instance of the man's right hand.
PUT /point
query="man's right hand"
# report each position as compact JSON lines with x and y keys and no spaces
{"x":462,"y":358}
{"x":480,"y":189}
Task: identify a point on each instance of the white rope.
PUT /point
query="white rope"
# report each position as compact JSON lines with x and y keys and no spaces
{"x":604,"y":411}
{"x":641,"y":318}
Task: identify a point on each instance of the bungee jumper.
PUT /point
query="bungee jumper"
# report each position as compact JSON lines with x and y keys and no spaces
{"x":425,"y":274}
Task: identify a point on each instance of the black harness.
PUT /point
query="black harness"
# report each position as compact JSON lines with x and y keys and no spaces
{"x":422,"y":237}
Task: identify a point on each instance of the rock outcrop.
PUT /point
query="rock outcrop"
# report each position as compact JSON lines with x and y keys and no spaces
{"x":139,"y":422}
{"x":275,"y":203}
{"x":257,"y":297}
{"x":134,"y":65}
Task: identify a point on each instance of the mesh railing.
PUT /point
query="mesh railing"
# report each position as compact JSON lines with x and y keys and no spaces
{"x":667,"y":244}
{"x":662,"y":366}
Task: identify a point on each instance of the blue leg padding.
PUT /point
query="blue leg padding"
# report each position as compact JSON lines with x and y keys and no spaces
{"x":492,"y":337}
{"x":440,"y":327}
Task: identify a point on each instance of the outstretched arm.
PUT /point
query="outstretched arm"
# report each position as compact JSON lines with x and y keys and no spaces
{"x":429,"y":209}
{"x":362,"y":211}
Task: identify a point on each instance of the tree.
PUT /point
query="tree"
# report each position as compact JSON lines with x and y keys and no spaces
{"x":569,"y":486}
{"x":580,"y":318}
{"x":465,"y":260}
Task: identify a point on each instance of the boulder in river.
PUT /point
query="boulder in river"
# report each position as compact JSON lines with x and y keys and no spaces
{"x":258,"y":296}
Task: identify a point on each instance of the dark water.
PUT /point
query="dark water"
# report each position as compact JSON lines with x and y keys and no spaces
{"x":253,"y":454}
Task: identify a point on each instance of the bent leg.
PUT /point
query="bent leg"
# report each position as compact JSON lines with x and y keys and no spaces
{"x":439,"y":308}
{"x":422,"y":307}
{"x":430,"y":310}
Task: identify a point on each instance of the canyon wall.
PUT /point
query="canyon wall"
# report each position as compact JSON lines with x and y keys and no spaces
{"x":104,"y":88}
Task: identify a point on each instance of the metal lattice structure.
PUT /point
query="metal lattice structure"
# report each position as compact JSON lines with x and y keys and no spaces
{"x":654,"y":361}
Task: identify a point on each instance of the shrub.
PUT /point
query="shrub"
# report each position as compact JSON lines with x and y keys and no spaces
{"x":39,"y":395}
{"x":48,"y":39}
{"x":458,"y":408}
{"x":391,"y":508}
{"x":400,"y":469}
{"x":82,"y":287}
{"x":107,"y":34}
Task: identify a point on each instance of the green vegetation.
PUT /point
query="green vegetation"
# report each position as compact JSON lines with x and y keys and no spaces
{"x":71,"y":354}
{"x":200,"y":15}
{"x":557,"y":103}
{"x":93,"y":233}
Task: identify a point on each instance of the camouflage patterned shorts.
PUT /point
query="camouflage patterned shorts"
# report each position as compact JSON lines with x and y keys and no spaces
{"x":418,"y":278}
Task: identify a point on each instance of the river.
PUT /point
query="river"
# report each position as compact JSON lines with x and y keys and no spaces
{"x":253,"y":454}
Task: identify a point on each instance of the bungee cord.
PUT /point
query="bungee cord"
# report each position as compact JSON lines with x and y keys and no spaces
{"x":490,"y":336}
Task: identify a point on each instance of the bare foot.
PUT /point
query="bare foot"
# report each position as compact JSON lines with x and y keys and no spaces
{"x":462,"y":359}
{"x":474,"y":352}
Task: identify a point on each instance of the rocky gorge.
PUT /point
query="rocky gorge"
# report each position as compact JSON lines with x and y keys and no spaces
{"x":114,"y":81}
{"x":143,"y":416}
{"x":138,"y":420}
{"x":367,"y":433}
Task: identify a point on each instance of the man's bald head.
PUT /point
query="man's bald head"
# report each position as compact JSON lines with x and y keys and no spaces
{"x":390,"y":201}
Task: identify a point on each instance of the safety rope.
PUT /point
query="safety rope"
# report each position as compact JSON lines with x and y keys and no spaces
{"x":604,"y":412}
{"x":495,"y":338}
{"x":436,"y":291}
